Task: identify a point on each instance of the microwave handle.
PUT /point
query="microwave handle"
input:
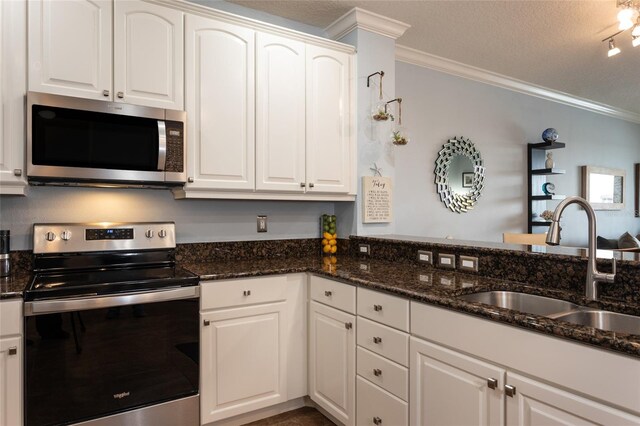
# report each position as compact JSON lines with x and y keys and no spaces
{"x":162,"y":145}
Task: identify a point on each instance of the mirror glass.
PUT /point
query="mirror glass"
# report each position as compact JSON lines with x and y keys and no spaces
{"x":603,"y":187}
{"x":461,"y":174}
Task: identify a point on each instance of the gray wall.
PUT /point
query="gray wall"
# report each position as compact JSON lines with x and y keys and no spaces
{"x":438,"y":106}
{"x":196,"y":220}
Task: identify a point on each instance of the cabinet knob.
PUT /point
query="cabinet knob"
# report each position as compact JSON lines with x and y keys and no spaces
{"x":377,"y":421}
{"x":328,"y":293}
{"x":303,"y":185}
{"x":377,"y":308}
{"x":348,"y":325}
{"x":509,"y":390}
{"x":13,"y":350}
{"x":492,"y":383}
{"x":190,"y":179}
{"x":311,"y":185}
{"x":377,"y":340}
{"x":120,"y":95}
{"x":105,"y":93}
{"x":247,"y":292}
{"x":377,"y":372}
{"x":207,"y":322}
{"x":17,"y":172}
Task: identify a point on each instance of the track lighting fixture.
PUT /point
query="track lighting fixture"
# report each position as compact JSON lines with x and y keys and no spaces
{"x":613,"y":50}
{"x":636,"y":41}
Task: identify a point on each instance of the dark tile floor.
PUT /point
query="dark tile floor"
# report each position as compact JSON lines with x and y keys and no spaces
{"x":305,"y":416}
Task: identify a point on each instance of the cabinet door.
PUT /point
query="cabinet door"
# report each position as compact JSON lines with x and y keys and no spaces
{"x":538,"y":404}
{"x":280,"y":114}
{"x":448,"y":388}
{"x":220,"y":105}
{"x":11,"y":381}
{"x":244,"y":364}
{"x":332,"y":361}
{"x":148,"y":55}
{"x":328,"y":120}
{"x":70,"y":47}
{"x":13,"y":84}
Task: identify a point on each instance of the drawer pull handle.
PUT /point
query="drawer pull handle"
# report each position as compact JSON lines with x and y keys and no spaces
{"x":348,"y":325}
{"x":377,"y":372}
{"x":13,"y":350}
{"x":328,"y":293}
{"x":377,"y":421}
{"x":377,"y":308}
{"x":377,"y":340}
{"x":247,"y":292}
{"x":492,"y":383}
{"x":207,"y":322}
{"x":510,"y":390}
{"x":105,"y":93}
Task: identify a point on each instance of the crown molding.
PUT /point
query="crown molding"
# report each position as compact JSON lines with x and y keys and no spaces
{"x":438,"y":63}
{"x":363,"y":19}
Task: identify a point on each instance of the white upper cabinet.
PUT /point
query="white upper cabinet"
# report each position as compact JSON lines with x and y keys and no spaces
{"x":128,"y":51}
{"x":148,"y":55}
{"x":70,"y":47}
{"x":280,"y":114}
{"x":220,"y":105}
{"x":13,"y":85}
{"x":328,"y":120}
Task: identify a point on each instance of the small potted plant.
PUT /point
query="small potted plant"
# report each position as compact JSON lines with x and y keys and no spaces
{"x":398,"y":138}
{"x":380,"y":112}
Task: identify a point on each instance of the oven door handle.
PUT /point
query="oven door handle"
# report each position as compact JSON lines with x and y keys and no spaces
{"x":85,"y":303}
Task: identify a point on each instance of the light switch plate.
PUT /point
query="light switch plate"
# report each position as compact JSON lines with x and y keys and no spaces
{"x":262,"y":223}
{"x":468,"y":263}
{"x":425,"y":257}
{"x":447,"y":261}
{"x":364,"y":249}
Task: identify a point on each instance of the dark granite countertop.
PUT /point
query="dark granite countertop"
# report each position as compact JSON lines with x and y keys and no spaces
{"x":438,"y":287}
{"x":13,"y":286}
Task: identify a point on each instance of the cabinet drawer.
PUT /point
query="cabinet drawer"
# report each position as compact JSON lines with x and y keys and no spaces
{"x":389,"y":310}
{"x":248,"y":291}
{"x":333,"y":293}
{"x":384,"y":373}
{"x":383,"y":340}
{"x":375,"y":403}
{"x":11,"y":317}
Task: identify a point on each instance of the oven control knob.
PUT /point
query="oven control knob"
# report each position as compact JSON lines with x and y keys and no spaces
{"x":66,"y":235}
{"x":162,"y":233}
{"x":149,"y":233}
{"x":50,"y":236}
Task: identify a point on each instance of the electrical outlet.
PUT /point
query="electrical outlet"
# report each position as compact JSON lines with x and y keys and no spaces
{"x":262,"y":223}
{"x":425,"y":257}
{"x":447,"y":261}
{"x":364,"y":249}
{"x":468,"y":263}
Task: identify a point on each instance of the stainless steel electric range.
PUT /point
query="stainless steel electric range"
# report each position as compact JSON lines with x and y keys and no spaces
{"x":111,"y":327}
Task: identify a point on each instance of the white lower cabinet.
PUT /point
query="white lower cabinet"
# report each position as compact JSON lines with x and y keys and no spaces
{"x":538,"y":404}
{"x":332,"y":361}
{"x":448,"y":388}
{"x":253,"y":347}
{"x":11,"y":355}
{"x":378,"y":407}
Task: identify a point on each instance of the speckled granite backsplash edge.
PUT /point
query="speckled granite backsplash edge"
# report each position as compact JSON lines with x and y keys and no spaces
{"x":562,"y":272}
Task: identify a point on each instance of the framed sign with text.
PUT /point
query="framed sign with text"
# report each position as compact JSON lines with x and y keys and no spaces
{"x":377,"y":195}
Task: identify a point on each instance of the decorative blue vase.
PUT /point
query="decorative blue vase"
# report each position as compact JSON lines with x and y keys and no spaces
{"x":550,"y":135}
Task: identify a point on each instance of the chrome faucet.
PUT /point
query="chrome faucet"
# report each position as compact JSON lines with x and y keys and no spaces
{"x":553,"y":239}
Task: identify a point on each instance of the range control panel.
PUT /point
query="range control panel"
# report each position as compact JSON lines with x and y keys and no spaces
{"x":105,"y":236}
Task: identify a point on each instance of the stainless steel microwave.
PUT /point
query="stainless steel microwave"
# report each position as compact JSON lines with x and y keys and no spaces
{"x":74,"y":141}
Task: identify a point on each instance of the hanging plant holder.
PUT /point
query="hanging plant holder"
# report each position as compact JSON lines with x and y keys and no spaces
{"x":379,"y":111}
{"x":399,"y":135}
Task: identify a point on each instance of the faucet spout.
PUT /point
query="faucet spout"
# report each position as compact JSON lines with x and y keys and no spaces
{"x":553,"y":238}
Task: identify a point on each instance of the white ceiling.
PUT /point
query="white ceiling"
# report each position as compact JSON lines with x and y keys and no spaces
{"x":551,"y":43}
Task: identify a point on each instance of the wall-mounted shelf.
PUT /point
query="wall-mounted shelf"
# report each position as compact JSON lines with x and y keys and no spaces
{"x":535,"y":179}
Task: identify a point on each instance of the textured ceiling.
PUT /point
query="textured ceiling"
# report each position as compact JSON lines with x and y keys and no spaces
{"x":555,"y":44}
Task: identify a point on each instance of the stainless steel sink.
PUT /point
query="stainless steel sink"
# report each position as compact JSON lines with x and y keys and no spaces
{"x":604,"y":320}
{"x":523,"y":302}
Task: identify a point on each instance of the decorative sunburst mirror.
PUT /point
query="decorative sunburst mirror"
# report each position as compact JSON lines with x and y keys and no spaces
{"x":459,"y":174}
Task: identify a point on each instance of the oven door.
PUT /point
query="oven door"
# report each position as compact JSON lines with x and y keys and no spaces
{"x":74,"y":139}
{"x":92,"y":357}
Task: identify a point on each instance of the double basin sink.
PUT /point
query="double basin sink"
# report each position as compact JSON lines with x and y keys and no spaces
{"x":558,"y":310}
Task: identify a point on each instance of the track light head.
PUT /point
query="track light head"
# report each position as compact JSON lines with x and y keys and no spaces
{"x":613,"y":50}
